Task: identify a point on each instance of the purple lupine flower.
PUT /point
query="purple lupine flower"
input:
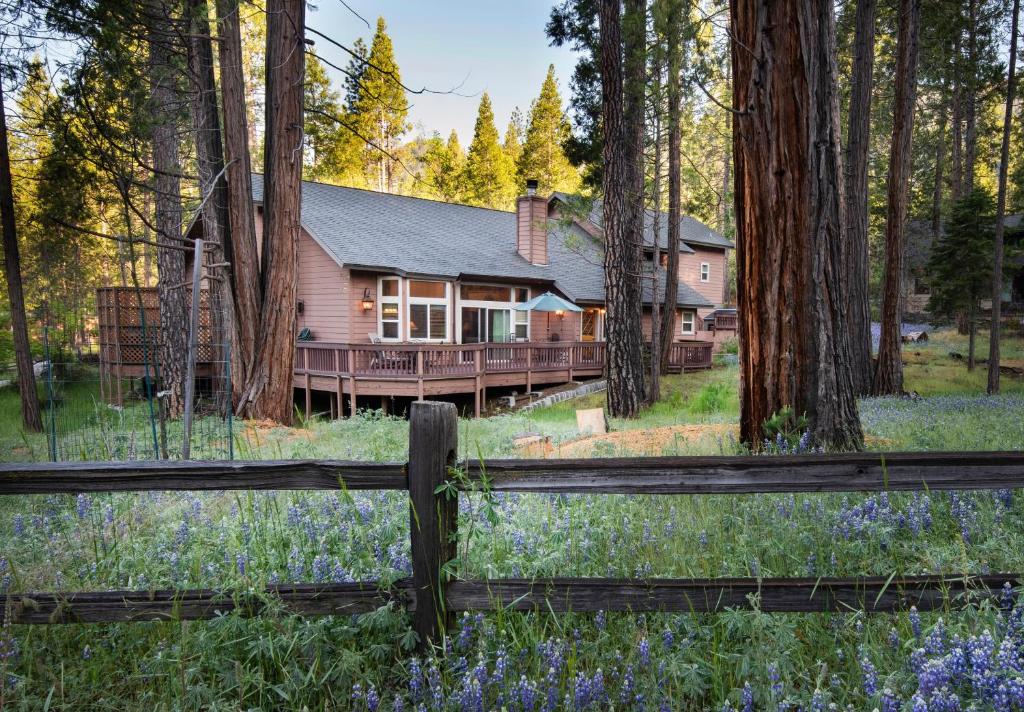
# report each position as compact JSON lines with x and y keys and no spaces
{"x":773,"y":677}
{"x":82,"y":505}
{"x":667,"y":639}
{"x":915,"y":621}
{"x":19,"y":525}
{"x":890,"y":703}
{"x":935,"y":644}
{"x":747,"y":698}
{"x":894,"y":638}
{"x":870,"y":675}
{"x":645,"y":652}
{"x":372,"y":699}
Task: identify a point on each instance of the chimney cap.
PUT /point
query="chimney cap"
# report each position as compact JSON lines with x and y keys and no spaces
{"x":531,"y":186}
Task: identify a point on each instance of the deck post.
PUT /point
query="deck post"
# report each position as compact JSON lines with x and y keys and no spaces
{"x":352,"y":382}
{"x":309,"y":399}
{"x":340,"y":395}
{"x":433,"y":445}
{"x":419,"y":375}
{"x":529,"y":368}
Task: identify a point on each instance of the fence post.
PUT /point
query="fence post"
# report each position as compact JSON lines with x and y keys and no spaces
{"x":433,"y":443}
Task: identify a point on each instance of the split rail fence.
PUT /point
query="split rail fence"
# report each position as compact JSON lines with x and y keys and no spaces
{"x":432,"y":599}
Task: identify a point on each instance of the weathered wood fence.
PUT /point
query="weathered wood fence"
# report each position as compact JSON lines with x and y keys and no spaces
{"x":433,"y":599}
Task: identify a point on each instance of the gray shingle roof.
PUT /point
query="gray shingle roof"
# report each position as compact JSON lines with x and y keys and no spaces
{"x":690,"y":230}
{"x":363,"y":229}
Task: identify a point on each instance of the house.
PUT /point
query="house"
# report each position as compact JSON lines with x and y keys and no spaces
{"x":920,"y":237}
{"x":409,"y":297}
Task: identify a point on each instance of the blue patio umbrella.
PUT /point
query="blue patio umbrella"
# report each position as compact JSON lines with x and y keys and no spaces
{"x":548,"y":302}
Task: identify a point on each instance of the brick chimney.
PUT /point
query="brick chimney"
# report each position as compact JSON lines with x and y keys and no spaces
{"x":532,"y":225}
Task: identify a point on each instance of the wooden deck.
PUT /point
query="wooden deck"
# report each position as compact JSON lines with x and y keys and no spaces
{"x":130,"y":332}
{"x":422,"y":370}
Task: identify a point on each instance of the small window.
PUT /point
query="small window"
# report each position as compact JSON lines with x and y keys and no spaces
{"x":428,"y":321}
{"x":705,"y":272}
{"x":484,"y":293}
{"x":427,"y":290}
{"x":390,"y":326}
{"x":687,"y":321}
{"x":522,"y":295}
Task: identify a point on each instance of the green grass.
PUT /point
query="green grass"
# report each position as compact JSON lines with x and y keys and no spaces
{"x":240,"y":541}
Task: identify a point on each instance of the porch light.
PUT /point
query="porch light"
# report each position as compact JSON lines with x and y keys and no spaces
{"x":559,"y":313}
{"x":367,"y":300}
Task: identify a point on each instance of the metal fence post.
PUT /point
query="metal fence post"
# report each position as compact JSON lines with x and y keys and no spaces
{"x":433,"y":443}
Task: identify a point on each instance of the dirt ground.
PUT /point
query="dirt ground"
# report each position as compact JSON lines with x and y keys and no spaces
{"x":654,"y":441}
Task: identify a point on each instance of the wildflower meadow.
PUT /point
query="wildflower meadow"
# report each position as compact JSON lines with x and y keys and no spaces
{"x":968,"y":657}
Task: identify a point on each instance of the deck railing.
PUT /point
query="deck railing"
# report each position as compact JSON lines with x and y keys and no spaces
{"x":409,"y":361}
{"x":434,"y":479}
{"x":725,"y":322}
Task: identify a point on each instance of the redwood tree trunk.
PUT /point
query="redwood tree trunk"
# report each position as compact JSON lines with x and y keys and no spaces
{"x":240,"y":248}
{"x":268,"y":393}
{"x":167,"y":210}
{"x":668,"y":319}
{"x":622,"y":207}
{"x":858,"y":141}
{"x":1004,"y":160}
{"x":889,"y":369}
{"x":30,"y":415}
{"x":794,"y":346}
{"x":956,"y":168}
{"x":212,"y":186}
{"x":940,"y":159}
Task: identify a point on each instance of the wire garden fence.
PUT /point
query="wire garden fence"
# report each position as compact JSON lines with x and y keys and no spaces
{"x":103,"y":400}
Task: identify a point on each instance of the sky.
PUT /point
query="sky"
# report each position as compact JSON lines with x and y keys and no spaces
{"x":464,"y":46}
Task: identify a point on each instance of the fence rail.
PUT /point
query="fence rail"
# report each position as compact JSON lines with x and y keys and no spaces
{"x":432,"y":598}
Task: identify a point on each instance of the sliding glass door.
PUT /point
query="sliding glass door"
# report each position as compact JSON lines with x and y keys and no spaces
{"x":483,"y":324}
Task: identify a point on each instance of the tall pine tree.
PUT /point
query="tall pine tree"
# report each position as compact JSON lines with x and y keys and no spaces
{"x":542,"y":156}
{"x":381,"y":111}
{"x":444,"y":164}
{"x":490,"y":175}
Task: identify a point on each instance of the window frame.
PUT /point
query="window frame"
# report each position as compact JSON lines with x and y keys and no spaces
{"x":692,"y":314}
{"x":428,"y":302}
{"x":482,"y":304}
{"x":705,"y":272}
{"x":396,"y":300}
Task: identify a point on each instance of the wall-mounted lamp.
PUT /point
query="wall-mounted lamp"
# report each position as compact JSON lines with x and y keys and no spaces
{"x":300,"y":307}
{"x":367,"y":300}
{"x":559,"y":313}
{"x":602,"y":310}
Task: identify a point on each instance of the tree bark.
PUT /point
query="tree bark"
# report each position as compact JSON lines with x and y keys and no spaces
{"x":1004,"y":161}
{"x":240,"y":249}
{"x":956,"y":174}
{"x":268,"y":394}
{"x":971,"y":99}
{"x":622,"y":207}
{"x":940,"y":159}
{"x":794,"y":346}
{"x":889,"y":369}
{"x":858,"y":142}
{"x":167,"y":209}
{"x":213,"y":189}
{"x":668,"y":319}
{"x":30,"y":415}
{"x":654,"y":387}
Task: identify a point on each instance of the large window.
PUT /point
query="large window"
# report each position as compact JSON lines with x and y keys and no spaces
{"x":428,"y":310}
{"x":389,"y":314}
{"x":688,"y":321}
{"x":487,"y":314}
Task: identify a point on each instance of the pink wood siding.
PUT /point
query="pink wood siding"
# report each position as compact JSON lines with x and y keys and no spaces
{"x":689,"y":272}
{"x":567,"y":326}
{"x":321,"y":289}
